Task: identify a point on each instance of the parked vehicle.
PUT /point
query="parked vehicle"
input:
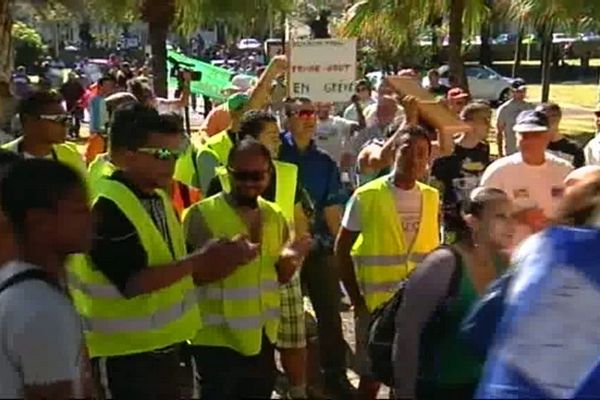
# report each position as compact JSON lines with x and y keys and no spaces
{"x":484,"y":83}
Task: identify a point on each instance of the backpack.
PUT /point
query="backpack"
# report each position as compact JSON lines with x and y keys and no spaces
{"x":28,"y":275}
{"x":382,"y":327}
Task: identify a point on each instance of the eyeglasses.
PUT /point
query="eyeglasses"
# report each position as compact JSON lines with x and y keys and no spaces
{"x":63,"y":119}
{"x":255,"y":176}
{"x":161,"y":154}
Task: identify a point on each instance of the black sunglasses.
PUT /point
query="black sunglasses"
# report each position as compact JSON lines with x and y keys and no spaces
{"x":255,"y":176}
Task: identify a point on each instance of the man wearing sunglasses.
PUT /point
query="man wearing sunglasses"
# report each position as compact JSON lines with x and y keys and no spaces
{"x":45,"y":127}
{"x":363,"y":92}
{"x":234,"y":351}
{"x":592,"y":149}
{"x":319,"y":174}
{"x":138,"y":272}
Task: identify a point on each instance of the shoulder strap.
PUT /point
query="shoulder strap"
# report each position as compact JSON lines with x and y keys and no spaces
{"x":456,"y":276}
{"x":29,"y":275}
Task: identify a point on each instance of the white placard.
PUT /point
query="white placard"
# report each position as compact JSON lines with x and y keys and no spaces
{"x":323,"y":69}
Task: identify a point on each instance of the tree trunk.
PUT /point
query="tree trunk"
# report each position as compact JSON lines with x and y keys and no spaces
{"x":485,"y":49}
{"x":546,"y":63}
{"x":6,"y":53}
{"x":518,"y":50}
{"x":455,"y":61}
{"x":158,"y":43}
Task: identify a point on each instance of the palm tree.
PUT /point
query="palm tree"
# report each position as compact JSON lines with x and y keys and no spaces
{"x":547,"y":15}
{"x":397,"y":20}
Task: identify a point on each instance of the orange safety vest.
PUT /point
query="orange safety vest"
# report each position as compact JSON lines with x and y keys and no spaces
{"x":184,"y":196}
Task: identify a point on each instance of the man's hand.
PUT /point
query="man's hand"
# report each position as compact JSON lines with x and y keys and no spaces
{"x":279,"y":63}
{"x":227,"y":254}
{"x":292,"y":256}
{"x":187,"y":77}
{"x":411,"y":109}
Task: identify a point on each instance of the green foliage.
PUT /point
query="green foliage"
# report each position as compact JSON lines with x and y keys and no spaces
{"x":28,"y":44}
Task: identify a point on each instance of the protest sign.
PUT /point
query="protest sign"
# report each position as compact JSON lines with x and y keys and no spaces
{"x":213,"y":80}
{"x":323,"y":69}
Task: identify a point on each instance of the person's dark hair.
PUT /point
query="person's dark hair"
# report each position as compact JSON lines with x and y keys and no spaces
{"x":249,"y":144}
{"x":140,"y":88}
{"x":549,"y":107}
{"x":253,"y":122}
{"x":107,"y":78}
{"x":362,"y":83}
{"x":433,"y":71}
{"x":36,"y":101}
{"x":410,"y":132}
{"x":133,"y":123}
{"x":290,"y":102}
{"x":580,"y":203}
{"x":35,"y":184}
{"x":474,"y":204}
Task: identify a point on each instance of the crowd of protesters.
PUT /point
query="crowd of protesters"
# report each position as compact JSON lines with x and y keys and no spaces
{"x":161,"y":266}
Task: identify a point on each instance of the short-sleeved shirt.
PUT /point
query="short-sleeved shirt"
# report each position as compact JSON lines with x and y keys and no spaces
{"x":98,"y":114}
{"x":507,"y":116}
{"x":529,"y":186}
{"x":408,"y":208}
{"x":334,"y":135}
{"x":117,"y":250}
{"x":568,"y":150}
{"x":351,"y":113}
{"x":319,"y":175}
{"x":41,"y":339}
{"x":457,"y":175}
{"x":592,"y":151}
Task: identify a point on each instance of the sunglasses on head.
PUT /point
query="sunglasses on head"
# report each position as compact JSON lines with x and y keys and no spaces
{"x":63,"y":119}
{"x":161,"y":154}
{"x":255,"y":176}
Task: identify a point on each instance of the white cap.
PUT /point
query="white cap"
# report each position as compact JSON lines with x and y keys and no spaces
{"x":581,"y":173}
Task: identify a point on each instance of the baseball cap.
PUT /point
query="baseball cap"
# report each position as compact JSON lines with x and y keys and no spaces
{"x":518,"y":85}
{"x":531,"y":121}
{"x":457,"y":93}
{"x":237,"y":101}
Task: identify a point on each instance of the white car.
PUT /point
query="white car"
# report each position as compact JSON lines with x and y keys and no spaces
{"x":484,"y":83}
{"x":249,"y":44}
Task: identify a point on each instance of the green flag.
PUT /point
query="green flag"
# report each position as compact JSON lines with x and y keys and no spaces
{"x":214,"y":79}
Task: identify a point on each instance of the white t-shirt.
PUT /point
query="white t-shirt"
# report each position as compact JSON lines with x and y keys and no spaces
{"x":41,"y":338}
{"x":592,"y":151}
{"x":529,"y":186}
{"x":333,"y":135}
{"x":408,"y":207}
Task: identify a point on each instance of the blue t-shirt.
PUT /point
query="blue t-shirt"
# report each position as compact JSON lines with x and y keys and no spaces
{"x":319,"y":174}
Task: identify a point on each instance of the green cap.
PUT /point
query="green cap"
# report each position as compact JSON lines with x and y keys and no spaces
{"x":237,"y":101}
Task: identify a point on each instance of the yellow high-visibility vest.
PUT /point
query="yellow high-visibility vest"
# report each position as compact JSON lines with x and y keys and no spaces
{"x":115,"y":325}
{"x":238,"y":309}
{"x":381,"y":256}
{"x":99,"y":168}
{"x":64,"y":152}
{"x":286,"y":176}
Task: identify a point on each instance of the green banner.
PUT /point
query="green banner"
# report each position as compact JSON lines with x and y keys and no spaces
{"x":214,"y":79}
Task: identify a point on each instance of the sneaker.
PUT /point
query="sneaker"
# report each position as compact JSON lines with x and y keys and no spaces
{"x":340,"y":388}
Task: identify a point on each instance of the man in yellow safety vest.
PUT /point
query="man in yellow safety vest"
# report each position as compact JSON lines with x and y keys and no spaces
{"x":45,"y":126}
{"x":234,"y":348}
{"x":389,"y":225}
{"x":134,"y":291}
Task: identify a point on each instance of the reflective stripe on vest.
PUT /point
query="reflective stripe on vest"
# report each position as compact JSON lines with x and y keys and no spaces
{"x":115,"y":325}
{"x":286,"y":176}
{"x":185,"y":171}
{"x":238,"y":309}
{"x":382,"y":258}
{"x":101,"y":167}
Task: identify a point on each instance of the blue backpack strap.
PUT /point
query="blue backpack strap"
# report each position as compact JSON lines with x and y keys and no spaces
{"x":29,"y":275}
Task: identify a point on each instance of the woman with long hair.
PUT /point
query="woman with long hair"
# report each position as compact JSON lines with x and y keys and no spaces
{"x":430,"y":360}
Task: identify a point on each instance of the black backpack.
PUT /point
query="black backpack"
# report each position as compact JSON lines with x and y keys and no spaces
{"x":382,"y":327}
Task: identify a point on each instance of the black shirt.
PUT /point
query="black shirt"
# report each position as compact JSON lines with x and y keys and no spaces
{"x":117,"y":250}
{"x":568,"y":150}
{"x":456,"y":175}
